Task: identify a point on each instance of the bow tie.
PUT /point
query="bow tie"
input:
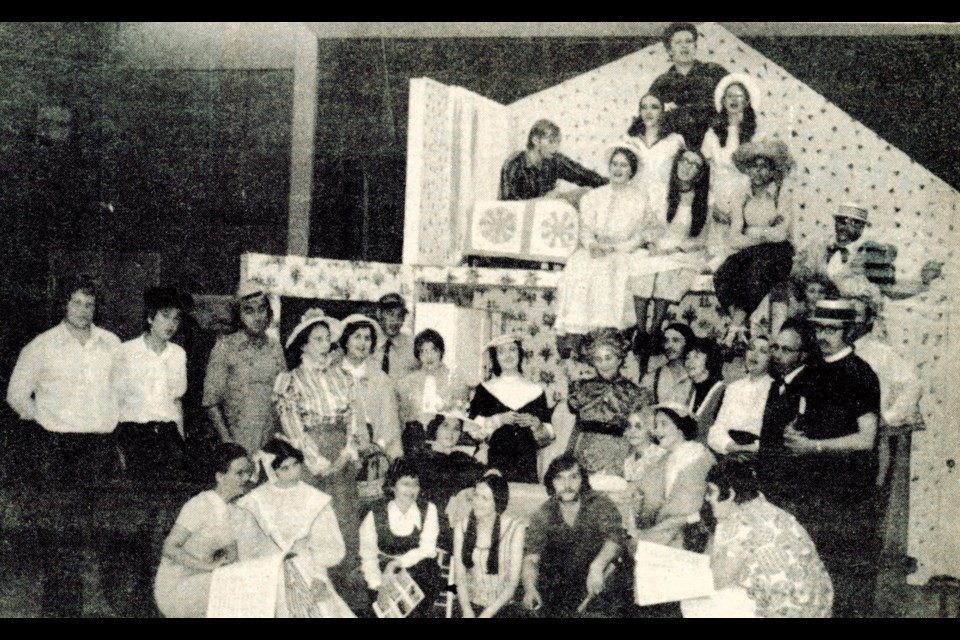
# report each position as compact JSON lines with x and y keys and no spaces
{"x":844,"y":252}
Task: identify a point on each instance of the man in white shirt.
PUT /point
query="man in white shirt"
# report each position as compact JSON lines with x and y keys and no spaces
{"x":149,"y":378}
{"x":395,"y":355}
{"x":62,"y":382}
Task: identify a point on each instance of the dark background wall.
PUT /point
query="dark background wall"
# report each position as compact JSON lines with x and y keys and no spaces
{"x":196,"y":162}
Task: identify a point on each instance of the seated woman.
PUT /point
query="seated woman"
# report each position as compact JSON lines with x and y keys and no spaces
{"x":592,"y":292}
{"x":602,"y":406}
{"x":313,"y":401}
{"x":740,"y":419}
{"x":761,"y":231}
{"x":670,"y":382}
{"x":300,"y":520}
{"x":431,"y":388}
{"x":203,"y":538}
{"x":488,"y":553}
{"x":704,"y":366}
{"x":735,"y":99}
{"x":639,"y":436}
{"x":445,"y":471}
{"x":512,"y":413}
{"x":665,"y":274}
{"x":400,"y":532}
{"x":764,"y":563}
{"x":670,"y":492}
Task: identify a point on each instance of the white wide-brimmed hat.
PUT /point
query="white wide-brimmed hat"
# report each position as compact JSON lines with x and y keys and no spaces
{"x":852,"y":210}
{"x":506,"y":338}
{"x":359,"y":317}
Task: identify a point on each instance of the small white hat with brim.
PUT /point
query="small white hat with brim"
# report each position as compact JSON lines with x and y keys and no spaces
{"x":834,"y":313}
{"x":359,"y":317}
{"x":251,"y":288}
{"x":852,"y":210}
{"x":312,"y":317}
{"x":506,"y":338}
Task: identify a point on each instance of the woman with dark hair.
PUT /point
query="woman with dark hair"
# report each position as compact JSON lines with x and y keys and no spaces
{"x":431,"y":388}
{"x":602,"y":405}
{"x":760,"y":236}
{"x":593,"y":291}
{"x":511,"y":412}
{"x":398,"y":533}
{"x":299,"y":519}
{"x":665,"y":275}
{"x":764,"y":563}
{"x":736,"y":98}
{"x":204,"y":537}
{"x":670,"y":492}
{"x":657,"y":146}
{"x":488,"y":553}
{"x":374,"y":399}
{"x":704,"y":365}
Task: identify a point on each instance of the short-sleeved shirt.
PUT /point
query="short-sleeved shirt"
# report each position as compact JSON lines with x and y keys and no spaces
{"x":836,"y":395}
{"x":520,"y":180}
{"x":566,"y":552}
{"x":240,"y":379}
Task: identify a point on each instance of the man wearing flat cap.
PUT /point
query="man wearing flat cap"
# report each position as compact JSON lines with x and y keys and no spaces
{"x":834,"y":459}
{"x":395,"y":356}
{"x":240,"y":375}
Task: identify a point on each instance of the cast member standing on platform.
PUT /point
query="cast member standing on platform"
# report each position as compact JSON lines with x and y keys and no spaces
{"x":835,"y":460}
{"x":242,"y":370}
{"x":534,"y":173}
{"x":687,"y":87}
{"x":512,"y":412}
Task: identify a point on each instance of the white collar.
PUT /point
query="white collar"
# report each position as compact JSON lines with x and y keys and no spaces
{"x":840,"y":355}
{"x":412,"y":516}
{"x":357,"y":371}
{"x":142,"y":340}
{"x":787,"y":379}
{"x":513,"y":391}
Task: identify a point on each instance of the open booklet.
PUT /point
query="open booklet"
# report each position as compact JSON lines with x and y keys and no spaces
{"x":246,"y":589}
{"x":666,"y":574}
{"x":403,"y":593}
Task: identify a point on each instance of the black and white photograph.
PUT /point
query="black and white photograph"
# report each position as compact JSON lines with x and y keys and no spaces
{"x":550,"y":319}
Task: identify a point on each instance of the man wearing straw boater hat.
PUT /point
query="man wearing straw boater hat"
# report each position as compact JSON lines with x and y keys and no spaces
{"x":833,"y":442}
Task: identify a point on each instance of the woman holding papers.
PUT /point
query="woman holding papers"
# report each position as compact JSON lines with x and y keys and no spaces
{"x":204,"y":537}
{"x":299,"y":520}
{"x":761,"y":557}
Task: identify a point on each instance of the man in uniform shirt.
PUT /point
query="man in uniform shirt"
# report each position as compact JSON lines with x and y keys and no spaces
{"x":833,"y":442}
{"x":395,"y":356}
{"x":572,"y":542}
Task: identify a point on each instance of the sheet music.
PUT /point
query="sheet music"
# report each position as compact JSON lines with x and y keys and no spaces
{"x":246,"y":589}
{"x":665,"y":574}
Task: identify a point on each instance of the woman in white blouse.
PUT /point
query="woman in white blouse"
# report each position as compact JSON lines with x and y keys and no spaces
{"x":488,"y":552}
{"x":400,"y":533}
{"x":149,"y":378}
{"x":740,"y":419}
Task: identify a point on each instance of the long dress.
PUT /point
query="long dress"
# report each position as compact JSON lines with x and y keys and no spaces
{"x":726,"y":183}
{"x":214,"y":526}
{"x":315,"y":413}
{"x":593,"y":291}
{"x":300,"y":519}
{"x":602,"y":408}
{"x":746,"y":277}
{"x":656,"y":164}
{"x":513,"y":449}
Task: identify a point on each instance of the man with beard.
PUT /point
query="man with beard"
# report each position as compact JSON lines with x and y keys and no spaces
{"x":573,"y":545}
{"x":669,"y":382}
{"x":834,"y":459}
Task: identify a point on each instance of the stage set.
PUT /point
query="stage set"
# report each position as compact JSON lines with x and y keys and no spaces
{"x":457,"y":143}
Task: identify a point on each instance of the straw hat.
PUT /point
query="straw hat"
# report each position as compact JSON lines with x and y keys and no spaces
{"x":506,"y":338}
{"x":834,"y":313}
{"x":776,"y":150}
{"x":359,"y":317}
{"x":852,"y":210}
{"x":250,"y":289}
{"x":312,"y":317}
{"x":748,"y":83}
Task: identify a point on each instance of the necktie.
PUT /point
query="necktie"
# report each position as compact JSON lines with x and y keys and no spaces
{"x":844,"y":252}
{"x":386,"y":356}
